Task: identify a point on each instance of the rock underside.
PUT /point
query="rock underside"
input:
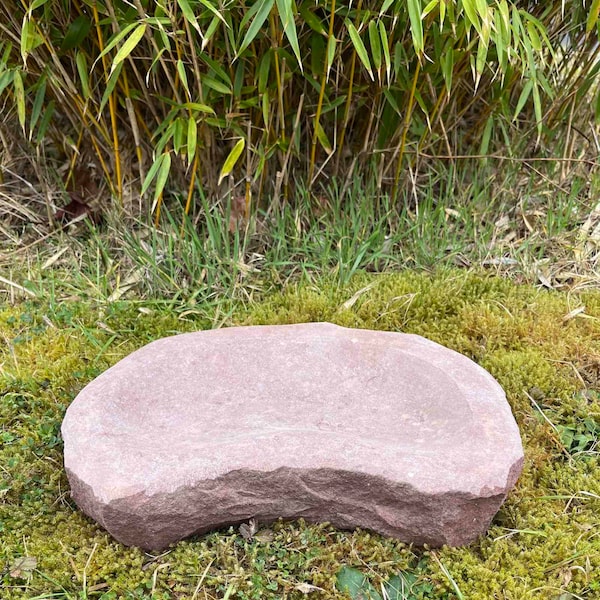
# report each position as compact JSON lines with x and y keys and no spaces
{"x":378,"y":430}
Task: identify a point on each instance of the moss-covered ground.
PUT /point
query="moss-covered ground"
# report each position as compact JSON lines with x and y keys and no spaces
{"x":542,"y":346}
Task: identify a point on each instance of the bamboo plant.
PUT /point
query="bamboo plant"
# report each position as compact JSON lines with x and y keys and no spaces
{"x":176,"y":94}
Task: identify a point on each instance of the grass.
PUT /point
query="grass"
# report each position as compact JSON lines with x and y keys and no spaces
{"x":543,"y":347}
{"x":479,"y":217}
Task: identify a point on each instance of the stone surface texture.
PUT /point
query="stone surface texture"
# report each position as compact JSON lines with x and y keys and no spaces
{"x":379,"y":430}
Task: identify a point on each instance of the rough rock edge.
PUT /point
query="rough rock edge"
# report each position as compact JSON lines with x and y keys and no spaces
{"x":328,"y":495}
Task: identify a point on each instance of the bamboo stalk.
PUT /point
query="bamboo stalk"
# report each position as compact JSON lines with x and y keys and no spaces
{"x":342,"y":134}
{"x":112,"y":107}
{"x":313,"y":151}
{"x":409,"y":109}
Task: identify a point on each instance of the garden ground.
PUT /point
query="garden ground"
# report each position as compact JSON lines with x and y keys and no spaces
{"x":542,"y":345}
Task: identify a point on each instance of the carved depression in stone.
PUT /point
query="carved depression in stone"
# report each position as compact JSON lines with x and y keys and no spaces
{"x":379,"y":430}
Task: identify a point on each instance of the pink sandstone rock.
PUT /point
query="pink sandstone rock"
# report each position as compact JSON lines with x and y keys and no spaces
{"x":384,"y":431}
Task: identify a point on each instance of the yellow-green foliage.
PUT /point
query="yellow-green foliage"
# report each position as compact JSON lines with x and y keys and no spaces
{"x":543,"y":542}
{"x":289,"y":86}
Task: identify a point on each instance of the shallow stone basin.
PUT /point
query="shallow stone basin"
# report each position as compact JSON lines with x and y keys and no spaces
{"x":378,"y":430}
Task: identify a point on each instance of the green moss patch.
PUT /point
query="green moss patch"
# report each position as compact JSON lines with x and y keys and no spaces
{"x":543,"y":543}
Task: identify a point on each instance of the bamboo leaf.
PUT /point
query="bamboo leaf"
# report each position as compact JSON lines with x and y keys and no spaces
{"x":505,"y":13}
{"x":38,"y":103}
{"x":216,"y":85}
{"x":482,"y":50}
{"x":264,"y":69}
{"x":179,"y":131}
{"x":323,"y":139}
{"x":214,"y":10}
{"x":384,"y":7}
{"x":238,"y":80}
{"x":386,"y":49}
{"x":46,"y":118}
{"x":115,"y":40}
{"x":286,"y":11}
{"x":317,"y":55}
{"x":330,"y":53}
{"x":19,"y":97}
{"x":110,"y":86}
{"x":593,"y":14}
{"x":430,"y":7}
{"x":359,"y":47}
{"x":152,"y":173}
{"x":263,"y":9}
{"x":231,"y":159}
{"x":487,"y":135}
{"x":416,"y":25}
{"x":217,"y":68}
{"x":482,"y":8}
{"x":199,"y":107}
{"x":155,"y":61}
{"x":36,"y":4}
{"x":161,"y":178}
{"x":165,"y":138}
{"x":189,"y":15}
{"x":183,"y":78}
{"x":399,"y":62}
{"x":375,"y":43}
{"x":30,"y":39}
{"x":76,"y":33}
{"x":541,"y":32}
{"x":82,"y":70}
{"x":210,"y":31}
{"x":392,"y":101}
{"x":311,"y":19}
{"x":543,"y":81}
{"x":129,"y":45}
{"x":534,"y":37}
{"x":192,"y":138}
{"x":265,"y":105}
{"x":523,"y":98}
{"x":537,"y":108}
{"x":448,"y":68}
{"x":471,"y":13}
{"x":7,"y":52}
{"x":6,"y":78}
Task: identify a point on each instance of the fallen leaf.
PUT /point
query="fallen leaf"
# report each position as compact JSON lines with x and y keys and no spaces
{"x":502,"y":222}
{"x":460,"y":260}
{"x":238,"y":212}
{"x":54,"y":258}
{"x":23,"y":567}
{"x":130,"y":282}
{"x":499,"y":262}
{"x":104,"y":326}
{"x":352,"y":301}
{"x":264,"y":535}
{"x":565,"y":575}
{"x":307,"y":588}
{"x":544,"y":280}
{"x":451,"y":212}
{"x":97,"y":587}
{"x":573,"y":313}
{"x":77,"y":210}
{"x":248,"y":530}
